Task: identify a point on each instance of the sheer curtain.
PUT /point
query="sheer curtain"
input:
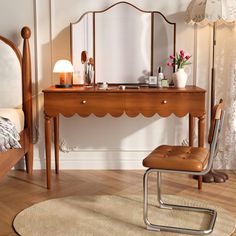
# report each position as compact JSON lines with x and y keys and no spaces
{"x":225,"y":64}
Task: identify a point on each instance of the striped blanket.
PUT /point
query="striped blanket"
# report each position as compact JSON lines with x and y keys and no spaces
{"x":9,"y":137}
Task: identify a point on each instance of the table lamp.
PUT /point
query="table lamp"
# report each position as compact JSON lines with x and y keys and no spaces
{"x":65,"y":69}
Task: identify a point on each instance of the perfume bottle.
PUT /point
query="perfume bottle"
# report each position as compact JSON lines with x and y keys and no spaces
{"x":160,"y":77}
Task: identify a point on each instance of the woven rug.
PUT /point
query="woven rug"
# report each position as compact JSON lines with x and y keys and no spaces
{"x":109,"y":215}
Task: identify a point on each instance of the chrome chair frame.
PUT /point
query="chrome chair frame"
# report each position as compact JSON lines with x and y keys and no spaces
{"x":211,"y":212}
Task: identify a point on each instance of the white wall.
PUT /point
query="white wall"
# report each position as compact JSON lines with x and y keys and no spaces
{"x":12,"y":20}
{"x":101,"y":142}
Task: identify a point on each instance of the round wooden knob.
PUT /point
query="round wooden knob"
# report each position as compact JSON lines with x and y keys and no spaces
{"x":26,"y":32}
{"x":83,"y":102}
{"x":164,"y":102}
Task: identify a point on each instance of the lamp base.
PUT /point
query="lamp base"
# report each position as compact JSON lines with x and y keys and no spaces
{"x":214,"y":176}
{"x":63,"y":85}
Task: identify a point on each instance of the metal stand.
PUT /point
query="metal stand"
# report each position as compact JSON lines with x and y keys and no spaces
{"x":214,"y":176}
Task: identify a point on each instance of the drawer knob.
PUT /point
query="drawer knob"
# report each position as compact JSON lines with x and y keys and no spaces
{"x":164,"y":102}
{"x":83,"y":102}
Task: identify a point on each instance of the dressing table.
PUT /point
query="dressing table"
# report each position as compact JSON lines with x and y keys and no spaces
{"x":121,"y":44}
{"x":116,"y":102}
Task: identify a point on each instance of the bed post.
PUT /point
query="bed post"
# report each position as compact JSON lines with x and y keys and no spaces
{"x":27,"y":98}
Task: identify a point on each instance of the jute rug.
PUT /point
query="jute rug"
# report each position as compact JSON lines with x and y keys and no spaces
{"x":112,"y":216}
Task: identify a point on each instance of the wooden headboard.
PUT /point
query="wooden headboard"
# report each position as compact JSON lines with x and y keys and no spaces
{"x":25,"y":63}
{"x":12,"y":156}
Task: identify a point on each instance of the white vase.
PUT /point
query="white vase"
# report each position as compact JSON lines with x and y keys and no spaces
{"x":180,"y":78}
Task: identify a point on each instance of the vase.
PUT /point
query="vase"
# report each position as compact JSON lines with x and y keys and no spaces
{"x":180,"y":78}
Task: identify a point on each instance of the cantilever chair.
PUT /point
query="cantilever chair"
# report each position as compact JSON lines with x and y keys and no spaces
{"x":184,"y":160}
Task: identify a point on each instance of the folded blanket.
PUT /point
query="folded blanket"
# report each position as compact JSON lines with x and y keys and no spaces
{"x":9,"y":137}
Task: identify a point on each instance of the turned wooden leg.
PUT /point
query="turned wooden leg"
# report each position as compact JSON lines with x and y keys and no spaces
{"x":29,"y":158}
{"x":30,"y":152}
{"x":56,"y":142}
{"x":201,"y":126}
{"x":191,"y":141}
{"x":48,"y":149}
{"x":191,"y":130}
{"x":200,"y":182}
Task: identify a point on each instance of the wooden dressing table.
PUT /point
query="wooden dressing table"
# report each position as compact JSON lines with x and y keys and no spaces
{"x":146,"y":101}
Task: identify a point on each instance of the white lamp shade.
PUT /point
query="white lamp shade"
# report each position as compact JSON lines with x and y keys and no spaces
{"x":63,"y":66}
{"x":208,"y":11}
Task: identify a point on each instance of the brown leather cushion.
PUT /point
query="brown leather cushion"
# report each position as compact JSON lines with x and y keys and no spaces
{"x":177,"y":158}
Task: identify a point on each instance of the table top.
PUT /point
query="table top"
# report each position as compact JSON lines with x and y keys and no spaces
{"x":117,"y":89}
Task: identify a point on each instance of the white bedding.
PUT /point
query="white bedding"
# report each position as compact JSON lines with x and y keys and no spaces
{"x":16,"y":116}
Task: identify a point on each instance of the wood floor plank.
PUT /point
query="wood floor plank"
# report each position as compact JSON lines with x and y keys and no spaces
{"x":19,"y":190}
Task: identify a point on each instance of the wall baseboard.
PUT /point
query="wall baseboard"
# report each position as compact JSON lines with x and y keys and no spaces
{"x":98,"y":165}
{"x":99,"y":160}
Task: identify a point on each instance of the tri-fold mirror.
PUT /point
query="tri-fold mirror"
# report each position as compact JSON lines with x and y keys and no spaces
{"x":124,"y":44}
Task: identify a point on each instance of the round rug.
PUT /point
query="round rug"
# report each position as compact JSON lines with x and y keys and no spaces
{"x":109,"y":215}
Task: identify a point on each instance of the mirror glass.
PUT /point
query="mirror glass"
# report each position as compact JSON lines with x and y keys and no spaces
{"x":123,"y":45}
{"x":126,"y":44}
{"x":163,"y":44}
{"x":81,"y":40}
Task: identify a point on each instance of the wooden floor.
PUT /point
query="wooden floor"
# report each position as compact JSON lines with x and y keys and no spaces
{"x":18,"y":191}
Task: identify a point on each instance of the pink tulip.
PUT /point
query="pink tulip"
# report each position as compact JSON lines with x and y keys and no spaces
{"x":187,"y":57}
{"x":181,"y":54}
{"x":179,"y":60}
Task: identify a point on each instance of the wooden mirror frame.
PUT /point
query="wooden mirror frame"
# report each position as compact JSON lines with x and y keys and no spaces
{"x":94,"y":32}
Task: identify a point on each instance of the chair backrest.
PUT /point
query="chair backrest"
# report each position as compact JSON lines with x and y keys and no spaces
{"x":217,"y":120}
{"x":216,"y":115}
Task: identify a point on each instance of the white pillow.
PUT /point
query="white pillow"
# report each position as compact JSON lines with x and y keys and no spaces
{"x":10,"y":78}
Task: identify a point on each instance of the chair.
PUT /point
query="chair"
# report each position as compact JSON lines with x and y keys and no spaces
{"x":184,"y":160}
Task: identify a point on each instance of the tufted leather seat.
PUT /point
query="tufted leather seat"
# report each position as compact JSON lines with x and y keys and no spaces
{"x":177,"y":158}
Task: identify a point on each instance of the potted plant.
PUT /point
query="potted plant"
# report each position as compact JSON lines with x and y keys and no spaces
{"x":180,"y":60}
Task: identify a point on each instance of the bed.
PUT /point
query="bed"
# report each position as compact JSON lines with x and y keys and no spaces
{"x":16,"y":100}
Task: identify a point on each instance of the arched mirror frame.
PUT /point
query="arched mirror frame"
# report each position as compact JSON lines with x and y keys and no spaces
{"x":93,"y":13}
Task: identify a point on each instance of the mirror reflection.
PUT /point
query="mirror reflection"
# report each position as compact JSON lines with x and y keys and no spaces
{"x":120,"y":45}
{"x":123,"y":44}
{"x":82,"y":47}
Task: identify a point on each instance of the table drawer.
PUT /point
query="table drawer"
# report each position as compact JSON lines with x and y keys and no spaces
{"x":101,"y":104}
{"x":165,"y":104}
{"x":84,"y":104}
